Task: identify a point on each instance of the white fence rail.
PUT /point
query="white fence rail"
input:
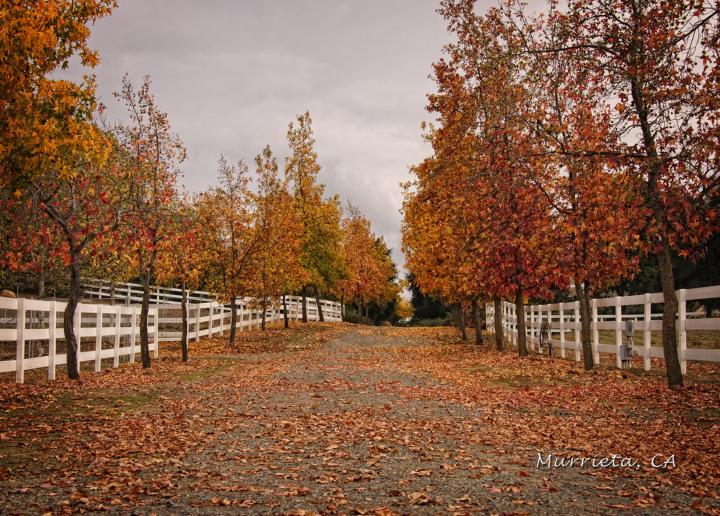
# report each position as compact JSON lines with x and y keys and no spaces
{"x":112,"y":331}
{"x":564,"y":318}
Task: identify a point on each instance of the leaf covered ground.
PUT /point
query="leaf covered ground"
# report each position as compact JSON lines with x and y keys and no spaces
{"x":350,"y":419}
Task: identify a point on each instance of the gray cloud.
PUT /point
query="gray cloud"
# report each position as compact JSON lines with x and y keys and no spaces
{"x":232,"y":75}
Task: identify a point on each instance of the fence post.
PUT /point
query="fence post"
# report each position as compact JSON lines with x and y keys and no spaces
{"x":52,"y":340}
{"x":647,"y":333}
{"x":116,"y":345}
{"x":532,"y":327}
{"x":596,"y":333}
{"x":211,"y":313}
{"x":222,"y":320}
{"x":156,"y":338}
{"x":578,"y":328}
{"x":618,"y":331}
{"x":197,"y":322}
{"x":562,"y":330}
{"x":78,"y":337}
{"x":98,"y":339}
{"x":20,"y":351}
{"x":133,"y":334}
{"x":681,"y":331}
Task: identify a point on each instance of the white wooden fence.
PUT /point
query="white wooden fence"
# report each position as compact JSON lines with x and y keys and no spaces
{"x":564,"y":318}
{"x":36,"y":326}
{"x":40,"y":322}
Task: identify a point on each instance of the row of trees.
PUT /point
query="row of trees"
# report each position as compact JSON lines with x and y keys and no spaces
{"x":82,"y":196}
{"x":567,"y":145}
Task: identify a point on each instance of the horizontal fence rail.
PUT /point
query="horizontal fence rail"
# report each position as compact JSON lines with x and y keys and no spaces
{"x":112,"y":330}
{"x":609,"y":315}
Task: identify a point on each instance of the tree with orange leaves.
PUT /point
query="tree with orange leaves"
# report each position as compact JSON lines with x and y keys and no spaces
{"x":181,"y":257}
{"x":369,"y":270}
{"x":43,"y":118}
{"x":231,"y":243}
{"x":155,"y":153}
{"x":276,"y":265}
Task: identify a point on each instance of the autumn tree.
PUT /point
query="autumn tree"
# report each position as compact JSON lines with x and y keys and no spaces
{"x":181,"y":257}
{"x":596,"y":203}
{"x":478,"y":202}
{"x":369,"y":269}
{"x":225,"y":213}
{"x":656,"y":64}
{"x":320,"y":217}
{"x":84,"y":207}
{"x":37,"y":111}
{"x":155,"y":153}
{"x":276,"y":265}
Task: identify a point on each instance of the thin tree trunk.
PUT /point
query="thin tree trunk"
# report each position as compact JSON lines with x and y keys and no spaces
{"x":670,"y":306}
{"x":321,"y":317}
{"x":461,"y":321}
{"x":520,"y":310}
{"x":144,"y":311}
{"x":367,"y":313}
{"x":112,"y":293}
{"x":286,"y":317}
{"x":262,"y":317}
{"x":184,"y":309}
{"x":304,"y":305}
{"x":233,"y":321}
{"x":342,"y":308}
{"x":585,"y":320}
{"x":71,"y":340}
{"x":499,"y":337}
{"x":41,"y":279}
{"x":667,"y":277}
{"x":476,"y":321}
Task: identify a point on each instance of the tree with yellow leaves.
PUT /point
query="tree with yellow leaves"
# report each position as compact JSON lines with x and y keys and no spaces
{"x":320,"y":218}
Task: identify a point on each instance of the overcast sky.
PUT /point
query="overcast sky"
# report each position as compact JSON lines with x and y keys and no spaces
{"x":232,"y":74}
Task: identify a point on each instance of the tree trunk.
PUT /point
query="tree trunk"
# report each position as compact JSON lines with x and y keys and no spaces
{"x":72,"y":341}
{"x":184,"y":308}
{"x":499,"y":337}
{"x":144,"y":311}
{"x":286,"y":317}
{"x":304,"y":305}
{"x":585,"y":320}
{"x":112,"y":293}
{"x":321,"y":317}
{"x":367,"y":313}
{"x":670,"y":306}
{"x":476,"y":321}
{"x":264,"y":311}
{"x":233,"y":321}
{"x":41,"y":280}
{"x":520,"y":310}
{"x":653,"y":200}
{"x":461,"y":321}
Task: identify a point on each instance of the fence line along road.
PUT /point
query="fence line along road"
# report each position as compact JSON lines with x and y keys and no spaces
{"x":36,"y":326}
{"x":564,"y":318}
